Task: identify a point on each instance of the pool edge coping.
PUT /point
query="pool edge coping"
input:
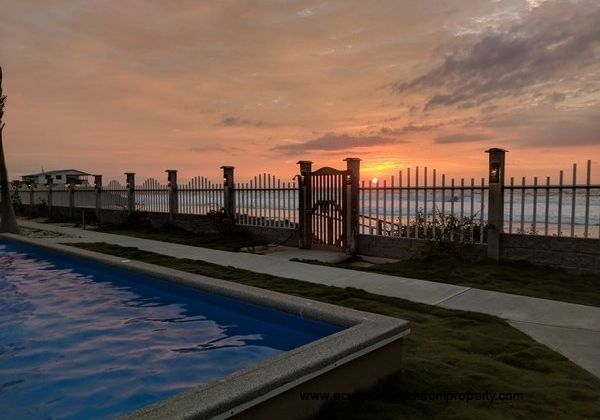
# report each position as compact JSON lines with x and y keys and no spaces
{"x":221,"y":398}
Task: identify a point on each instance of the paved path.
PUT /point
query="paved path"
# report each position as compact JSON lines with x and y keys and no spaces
{"x":570,"y":329}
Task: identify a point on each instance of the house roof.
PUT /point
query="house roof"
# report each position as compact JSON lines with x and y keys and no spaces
{"x":60,"y":171}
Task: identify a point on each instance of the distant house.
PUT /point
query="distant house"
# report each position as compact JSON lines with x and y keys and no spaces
{"x":58,"y":177}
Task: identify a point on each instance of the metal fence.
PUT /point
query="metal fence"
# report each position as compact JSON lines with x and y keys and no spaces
{"x":424,"y":208}
{"x":199,"y":196}
{"x":416,"y":203}
{"x":84,"y":197}
{"x":152,"y":196}
{"x":114,"y":196}
{"x":60,"y":196}
{"x":267,"y":201}
{"x":557,"y":209}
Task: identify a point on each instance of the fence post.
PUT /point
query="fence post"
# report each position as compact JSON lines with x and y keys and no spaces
{"x":352,"y":215}
{"x":130,"y":192}
{"x":229,"y":192}
{"x":304,"y":204}
{"x":49,"y":184}
{"x":31,"y":200}
{"x":495,"y":202}
{"x":98,"y":189}
{"x":71,"y":198}
{"x":173,"y":200}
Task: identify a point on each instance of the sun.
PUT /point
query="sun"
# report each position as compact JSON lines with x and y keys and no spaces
{"x":374,"y":181}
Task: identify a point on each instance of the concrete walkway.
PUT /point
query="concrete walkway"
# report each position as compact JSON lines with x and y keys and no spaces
{"x":570,"y":329}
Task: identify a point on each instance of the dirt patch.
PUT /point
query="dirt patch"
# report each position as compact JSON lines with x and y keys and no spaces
{"x":41,"y":234}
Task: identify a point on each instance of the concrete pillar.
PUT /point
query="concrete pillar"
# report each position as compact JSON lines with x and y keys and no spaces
{"x":173,"y":200}
{"x":229,"y":192}
{"x":304,"y":204}
{"x":71,"y":187}
{"x":49,"y":183}
{"x":352,"y":210}
{"x":98,"y":189}
{"x":495,"y":202}
{"x":130,"y":192}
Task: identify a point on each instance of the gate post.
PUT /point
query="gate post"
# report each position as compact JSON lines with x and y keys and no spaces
{"x":173,"y":200}
{"x":495,"y":202}
{"x":304,"y":204}
{"x":352,"y":215}
{"x":98,"y":189}
{"x":229,"y":192}
{"x":130,"y":192}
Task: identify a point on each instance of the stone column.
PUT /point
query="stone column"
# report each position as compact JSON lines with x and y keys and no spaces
{"x":98,"y":189}
{"x":352,"y":210}
{"x":130,"y":192}
{"x":495,"y":226}
{"x":173,"y":199}
{"x":229,"y":192}
{"x":304,"y":204}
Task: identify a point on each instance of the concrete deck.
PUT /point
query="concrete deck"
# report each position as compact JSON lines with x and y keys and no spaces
{"x":570,"y":329}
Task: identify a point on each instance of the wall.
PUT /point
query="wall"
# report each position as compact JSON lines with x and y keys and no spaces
{"x":406,"y":248}
{"x":195,"y":223}
{"x":573,"y":254}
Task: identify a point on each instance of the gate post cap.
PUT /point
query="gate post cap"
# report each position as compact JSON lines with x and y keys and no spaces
{"x":303,"y":161}
{"x":352,"y":159}
{"x":496,"y":149}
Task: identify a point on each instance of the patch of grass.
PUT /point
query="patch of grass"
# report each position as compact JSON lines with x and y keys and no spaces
{"x":447,"y":350}
{"x":225,"y":241}
{"x":517,"y":277}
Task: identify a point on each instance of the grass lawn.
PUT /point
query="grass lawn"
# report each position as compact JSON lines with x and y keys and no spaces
{"x":519,"y":278}
{"x":225,"y":241}
{"x":447,"y":350}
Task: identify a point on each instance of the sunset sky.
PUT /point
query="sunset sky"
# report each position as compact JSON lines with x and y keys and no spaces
{"x":113,"y":86}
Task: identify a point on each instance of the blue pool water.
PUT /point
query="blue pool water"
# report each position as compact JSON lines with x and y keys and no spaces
{"x":79,"y":339}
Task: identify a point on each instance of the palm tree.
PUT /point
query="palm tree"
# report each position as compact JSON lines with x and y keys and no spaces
{"x":8,"y":221}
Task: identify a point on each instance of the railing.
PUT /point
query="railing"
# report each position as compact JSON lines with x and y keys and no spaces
{"x":152,"y":196}
{"x":200,"y":196}
{"x":543,"y":208}
{"x":424,"y":210}
{"x":114,"y":196}
{"x":416,"y":204}
{"x":60,"y":196}
{"x":267,"y":201}
{"x":84,"y":197}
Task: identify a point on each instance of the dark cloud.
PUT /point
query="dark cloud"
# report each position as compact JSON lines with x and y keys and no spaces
{"x":238,"y":122}
{"x":556,"y":41}
{"x":462,"y":138}
{"x":332,"y":141}
{"x":556,"y":97}
{"x":548,"y":127}
{"x":408,"y":128}
{"x":214,"y":148}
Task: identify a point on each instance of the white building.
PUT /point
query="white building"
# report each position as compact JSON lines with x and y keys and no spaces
{"x":58,"y":177}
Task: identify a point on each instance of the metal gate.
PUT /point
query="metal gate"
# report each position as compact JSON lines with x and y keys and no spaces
{"x":328,"y":207}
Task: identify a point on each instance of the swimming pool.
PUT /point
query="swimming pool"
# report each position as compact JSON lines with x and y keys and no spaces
{"x":81,"y":339}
